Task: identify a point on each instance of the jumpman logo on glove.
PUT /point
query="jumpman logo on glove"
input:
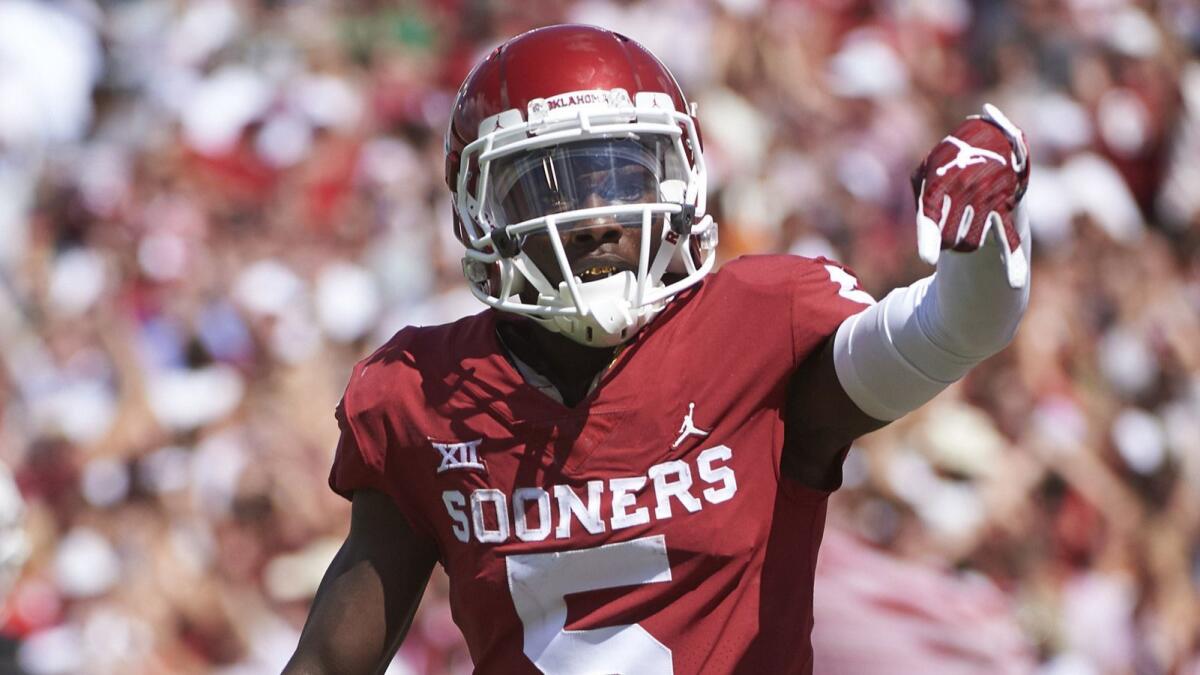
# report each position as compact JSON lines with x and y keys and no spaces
{"x":959,"y":209}
{"x":968,"y":155}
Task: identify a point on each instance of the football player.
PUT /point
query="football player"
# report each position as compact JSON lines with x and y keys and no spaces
{"x":623,"y":463}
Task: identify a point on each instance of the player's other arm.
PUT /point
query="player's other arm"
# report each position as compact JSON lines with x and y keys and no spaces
{"x":367,"y":599}
{"x":898,"y":354}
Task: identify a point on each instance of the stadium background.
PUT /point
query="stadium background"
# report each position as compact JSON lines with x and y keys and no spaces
{"x":209,"y":210}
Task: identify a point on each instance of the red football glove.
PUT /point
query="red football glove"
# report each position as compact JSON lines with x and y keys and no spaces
{"x":972,"y":183}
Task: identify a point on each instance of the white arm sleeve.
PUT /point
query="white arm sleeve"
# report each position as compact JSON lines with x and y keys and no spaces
{"x":898,"y":354}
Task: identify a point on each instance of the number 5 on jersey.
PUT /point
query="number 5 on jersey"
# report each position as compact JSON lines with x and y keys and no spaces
{"x":539,"y":584}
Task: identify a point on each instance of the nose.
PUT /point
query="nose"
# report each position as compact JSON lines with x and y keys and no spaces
{"x":596,"y":232}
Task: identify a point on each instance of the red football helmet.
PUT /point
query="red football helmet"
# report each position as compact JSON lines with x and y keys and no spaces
{"x":558,"y":129}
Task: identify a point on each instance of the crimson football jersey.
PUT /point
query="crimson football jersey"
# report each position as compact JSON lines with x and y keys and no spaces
{"x":646,"y":530}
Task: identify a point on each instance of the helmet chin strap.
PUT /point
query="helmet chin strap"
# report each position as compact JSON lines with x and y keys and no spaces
{"x":607,"y":313}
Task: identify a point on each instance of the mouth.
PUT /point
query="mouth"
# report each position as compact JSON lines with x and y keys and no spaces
{"x":597,"y":272}
{"x":599,"y":265}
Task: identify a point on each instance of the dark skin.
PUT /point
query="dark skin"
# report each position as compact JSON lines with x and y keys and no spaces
{"x":370,"y":592}
{"x":568,"y":365}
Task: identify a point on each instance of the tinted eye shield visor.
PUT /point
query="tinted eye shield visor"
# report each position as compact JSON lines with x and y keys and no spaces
{"x":579,"y":178}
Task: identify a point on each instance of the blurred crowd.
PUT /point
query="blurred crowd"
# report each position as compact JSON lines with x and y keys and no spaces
{"x":210,"y":209}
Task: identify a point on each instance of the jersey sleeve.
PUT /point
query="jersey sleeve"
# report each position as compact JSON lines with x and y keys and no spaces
{"x":368,"y":457}
{"x":824,"y":294}
{"x":358,"y":462}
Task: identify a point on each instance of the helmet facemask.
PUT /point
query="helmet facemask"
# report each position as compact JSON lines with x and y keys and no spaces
{"x":588,"y":176}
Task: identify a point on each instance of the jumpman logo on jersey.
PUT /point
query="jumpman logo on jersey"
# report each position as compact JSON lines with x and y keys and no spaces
{"x":967,"y":156}
{"x":689,"y":428}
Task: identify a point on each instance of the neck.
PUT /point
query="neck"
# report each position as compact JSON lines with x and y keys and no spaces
{"x":570,"y":366}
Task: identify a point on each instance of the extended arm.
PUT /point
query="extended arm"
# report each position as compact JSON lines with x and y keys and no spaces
{"x":898,"y":354}
{"x":369,"y":594}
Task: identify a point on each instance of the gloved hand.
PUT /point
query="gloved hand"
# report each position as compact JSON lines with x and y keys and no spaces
{"x":971,"y":184}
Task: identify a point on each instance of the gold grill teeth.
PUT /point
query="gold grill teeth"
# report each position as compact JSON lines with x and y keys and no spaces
{"x":598,"y":270}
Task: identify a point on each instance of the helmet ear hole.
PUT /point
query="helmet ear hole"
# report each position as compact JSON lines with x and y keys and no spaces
{"x":488,"y":275}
